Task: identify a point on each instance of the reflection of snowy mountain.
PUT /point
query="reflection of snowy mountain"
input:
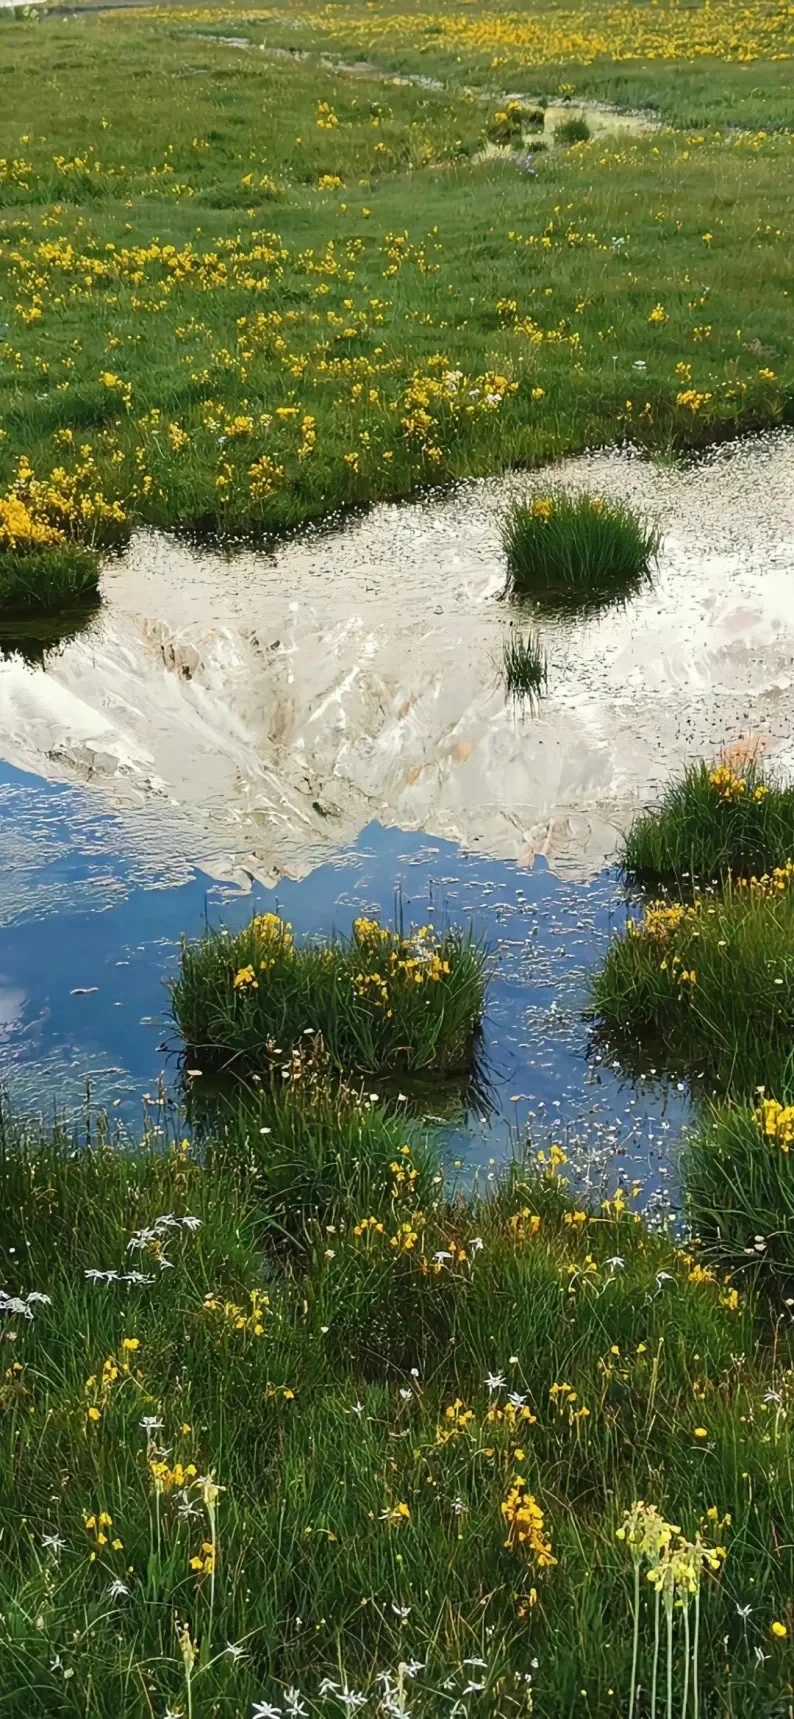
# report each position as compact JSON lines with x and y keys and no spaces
{"x":278,"y":703}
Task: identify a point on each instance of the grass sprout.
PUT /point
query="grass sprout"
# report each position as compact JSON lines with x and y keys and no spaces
{"x":525,"y":664}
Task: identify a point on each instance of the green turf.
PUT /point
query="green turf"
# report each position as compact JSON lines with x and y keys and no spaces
{"x":309,"y":345}
{"x":324,"y":1340}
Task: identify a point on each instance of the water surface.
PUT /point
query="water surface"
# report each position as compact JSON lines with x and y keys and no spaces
{"x":90,"y":929}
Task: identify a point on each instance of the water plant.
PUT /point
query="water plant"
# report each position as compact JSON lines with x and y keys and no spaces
{"x":525,"y":664}
{"x":729,"y":817}
{"x":572,"y":552}
{"x":384,"y":1002}
{"x":710,"y":980}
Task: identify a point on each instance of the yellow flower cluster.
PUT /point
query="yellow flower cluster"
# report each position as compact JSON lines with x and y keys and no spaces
{"x":510,"y":1414}
{"x":675,"y":1565}
{"x":407,"y":1234}
{"x":457,"y":1421}
{"x":776,"y":1122}
{"x":770,"y":883}
{"x":250,"y":1319}
{"x":166,"y":1479}
{"x":368,"y":1226}
{"x":566,"y":1401}
{"x":204,"y":1562}
{"x":96,"y":1522}
{"x":578,"y":34}
{"x":726,"y":783}
{"x":526,"y":1525}
{"x":524,"y":1225}
{"x":20,"y":529}
{"x":404,"y":1174}
{"x":661,"y":920}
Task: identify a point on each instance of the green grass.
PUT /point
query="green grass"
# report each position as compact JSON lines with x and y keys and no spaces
{"x":575,"y":552}
{"x":710,"y":983}
{"x":40,"y":581}
{"x":716,"y":819}
{"x":524,"y":665}
{"x":574,"y":130}
{"x":384,"y":1002}
{"x":320,"y":1342}
{"x":354,"y":310}
{"x":739,"y":1186}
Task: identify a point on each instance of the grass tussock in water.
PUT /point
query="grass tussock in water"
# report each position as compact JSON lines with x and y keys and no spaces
{"x":712,"y":981}
{"x":739,"y":1183}
{"x":525,"y":665}
{"x":715,"y":820}
{"x":384,"y":1002}
{"x":568,"y":551}
{"x":405,"y":1440}
{"x":42,"y":581}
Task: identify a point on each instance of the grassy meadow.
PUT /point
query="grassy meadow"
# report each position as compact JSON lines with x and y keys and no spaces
{"x":291,"y":1425}
{"x":241,"y":287}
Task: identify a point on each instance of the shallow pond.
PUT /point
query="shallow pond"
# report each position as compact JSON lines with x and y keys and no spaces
{"x":325,"y":725}
{"x":90,"y":931}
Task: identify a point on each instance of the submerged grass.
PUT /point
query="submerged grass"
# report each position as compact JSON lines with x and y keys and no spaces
{"x":384,"y":1002}
{"x":731,"y":817}
{"x":568,"y":551}
{"x":289,"y":1428}
{"x":711,"y":981}
{"x":525,"y":665}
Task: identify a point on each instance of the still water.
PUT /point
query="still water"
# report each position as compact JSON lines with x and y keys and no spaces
{"x":90,"y":923}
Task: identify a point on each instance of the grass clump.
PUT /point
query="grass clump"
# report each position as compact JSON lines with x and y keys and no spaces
{"x":43,"y":581}
{"x":384,"y":1002}
{"x":711,"y":980}
{"x":571,"y":552}
{"x":248,"y":1471}
{"x":525,"y":665}
{"x":739,"y":1184}
{"x":714,"y":821}
{"x":573,"y":130}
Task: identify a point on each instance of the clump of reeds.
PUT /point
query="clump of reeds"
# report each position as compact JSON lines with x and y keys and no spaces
{"x":714,"y":820}
{"x":739,"y":1184}
{"x":35,"y":580}
{"x":570,"y":552}
{"x":711,"y":980}
{"x":573,"y":130}
{"x":383,"y":1001}
{"x":525,"y":665}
